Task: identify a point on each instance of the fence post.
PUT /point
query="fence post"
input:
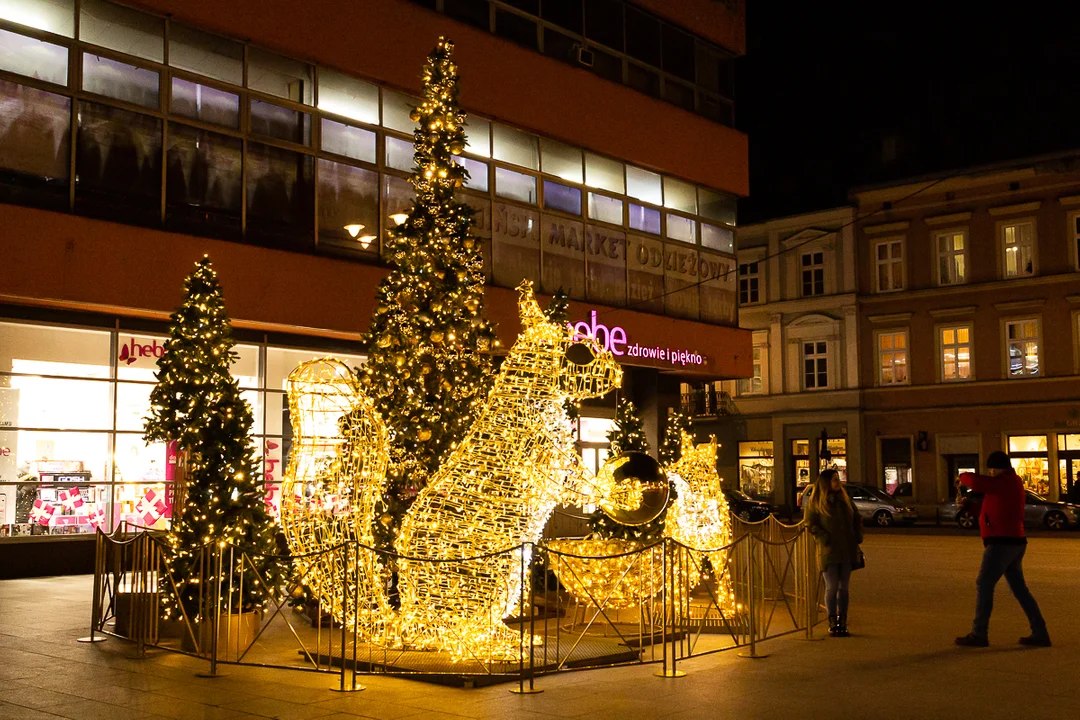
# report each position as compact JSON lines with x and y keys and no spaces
{"x":668,"y":603}
{"x":751,"y":605}
{"x":99,"y":584}
{"x":809,"y":579}
{"x":524,"y":646}
{"x":345,"y":569}
{"x":213,"y":617}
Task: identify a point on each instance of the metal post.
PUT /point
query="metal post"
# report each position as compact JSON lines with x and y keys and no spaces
{"x":214,"y":616}
{"x":670,"y":599}
{"x":99,"y":584}
{"x":345,"y":567}
{"x":752,"y":608}
{"x":809,"y":584}
{"x":522,"y":644}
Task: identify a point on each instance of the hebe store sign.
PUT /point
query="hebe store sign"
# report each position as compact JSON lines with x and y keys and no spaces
{"x":134,"y":352}
{"x":615,"y":340}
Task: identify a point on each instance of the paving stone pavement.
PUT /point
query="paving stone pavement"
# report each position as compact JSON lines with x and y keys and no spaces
{"x":916,"y":594}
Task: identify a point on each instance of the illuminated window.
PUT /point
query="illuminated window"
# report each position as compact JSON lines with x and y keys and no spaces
{"x":1018,"y":246}
{"x":1031,"y":461}
{"x":756,"y":468}
{"x":893,"y":358}
{"x":952,"y":257}
{"x":889,"y":260}
{"x":753,"y":384}
{"x":1022,"y":347}
{"x":956,"y":347}
{"x":813,"y":273}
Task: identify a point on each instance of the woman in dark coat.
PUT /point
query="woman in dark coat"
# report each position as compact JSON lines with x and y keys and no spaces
{"x":837,"y":528}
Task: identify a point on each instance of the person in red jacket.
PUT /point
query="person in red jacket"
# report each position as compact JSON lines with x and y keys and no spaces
{"x":1001,"y":525}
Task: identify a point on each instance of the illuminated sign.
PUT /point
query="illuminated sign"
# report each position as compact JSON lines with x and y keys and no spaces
{"x":616,"y":342}
{"x":131,"y":351}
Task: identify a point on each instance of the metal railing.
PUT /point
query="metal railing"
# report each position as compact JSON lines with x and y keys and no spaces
{"x":576,"y":607}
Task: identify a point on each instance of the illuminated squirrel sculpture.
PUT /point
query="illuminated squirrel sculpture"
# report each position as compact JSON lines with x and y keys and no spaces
{"x":493,"y":494}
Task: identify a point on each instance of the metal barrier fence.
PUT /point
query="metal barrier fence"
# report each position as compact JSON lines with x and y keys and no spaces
{"x":582,"y":604}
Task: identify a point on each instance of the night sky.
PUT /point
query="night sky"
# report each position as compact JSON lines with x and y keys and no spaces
{"x":823,"y":83}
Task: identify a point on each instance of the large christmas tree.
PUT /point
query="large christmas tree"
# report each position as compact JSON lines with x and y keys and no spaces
{"x":428,"y":368}
{"x":197,"y":405}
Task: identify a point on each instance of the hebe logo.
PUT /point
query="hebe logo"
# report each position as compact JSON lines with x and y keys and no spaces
{"x":613,"y":340}
{"x":5,"y":452}
{"x":131,"y":351}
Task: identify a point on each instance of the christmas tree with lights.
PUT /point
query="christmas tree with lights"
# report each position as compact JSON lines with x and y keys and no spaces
{"x":197,"y":405}
{"x":428,"y":369}
{"x":671,"y":445}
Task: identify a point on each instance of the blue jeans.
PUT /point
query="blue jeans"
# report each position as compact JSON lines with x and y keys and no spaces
{"x":1004,"y":560}
{"x":836,"y":588}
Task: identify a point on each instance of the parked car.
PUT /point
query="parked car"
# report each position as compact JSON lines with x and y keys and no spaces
{"x":1038,"y":512}
{"x":746,"y":507}
{"x":903,"y":490}
{"x":873,"y":505}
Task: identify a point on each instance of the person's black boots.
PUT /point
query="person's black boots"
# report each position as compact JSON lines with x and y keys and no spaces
{"x":972,"y":640}
{"x":834,"y":625}
{"x":1036,"y":639}
{"x":841,"y":627}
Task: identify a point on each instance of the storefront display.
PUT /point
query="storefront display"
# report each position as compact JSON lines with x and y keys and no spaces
{"x":800,"y":457}
{"x":836,"y":458}
{"x":1068,"y":447}
{"x":1031,"y":461}
{"x":756,"y":468}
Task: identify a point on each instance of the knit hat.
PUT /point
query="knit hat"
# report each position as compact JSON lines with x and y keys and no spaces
{"x":998,"y":460}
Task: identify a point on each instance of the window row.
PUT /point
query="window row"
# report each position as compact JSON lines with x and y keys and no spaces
{"x":811,"y":277}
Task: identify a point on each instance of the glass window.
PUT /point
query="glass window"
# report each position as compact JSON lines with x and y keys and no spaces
{"x":203,"y":180}
{"x":956,"y":348}
{"x":561,"y":160}
{"x":398,"y":196}
{"x":122,"y":29}
{"x":1022,"y":347}
{"x":643,"y":37}
{"x":643,"y":79}
{"x":206,"y":54}
{"x":643,"y":218}
{"x":1074,"y":236}
{"x":279,"y":194}
{"x":245,"y":369}
{"x":34,"y":58}
{"x":478,"y":173}
{"x":644,"y":185}
{"x":604,"y":22}
{"x":55,"y":16}
{"x":1018,"y":242}
{"x":595,"y":430}
{"x":348,"y":205}
{"x":749,"y":283}
{"x":35,"y":135}
{"x":681,"y":228}
{"x":716,"y":206}
{"x":562,"y":197}
{"x":717,"y":238}
{"x":756,"y":468}
{"x":516,"y":186}
{"x":473,"y":12}
{"x":678,"y":53}
{"x":679,"y":195}
{"x":279,"y":76}
{"x":132,"y":405}
{"x":137,"y":462}
{"x":753,"y":385}
{"x":815,"y":365}
{"x":892,"y":358}
{"x":118,"y":164}
{"x":515,"y":28}
{"x":205,"y":103}
{"x":564,"y":13}
{"x":349,"y":141}
{"x":282,"y":361}
{"x":952,"y":256}
{"x":399,"y":154}
{"x":813,"y":273}
{"x":120,"y":81}
{"x":607,"y":66}
{"x":605,"y":209}
{"x":348,"y":97}
{"x":137,"y":356}
{"x":478,"y":136}
{"x":889,"y":257}
{"x":45,"y":350}
{"x":1031,"y":462}
{"x":603,"y":173}
{"x":45,"y":402}
{"x":396,"y":109}
{"x":713,"y":69}
{"x":280,"y":123}
{"x":515,"y":147}
{"x":560,"y":46}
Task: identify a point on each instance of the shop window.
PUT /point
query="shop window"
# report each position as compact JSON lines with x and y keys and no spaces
{"x":516,"y":28}
{"x":203,"y":182}
{"x":399,"y":154}
{"x":604,"y":173}
{"x":815,"y":358}
{"x":833,"y":456}
{"x":1069,"y":467}
{"x":749,"y":283}
{"x":33,"y":58}
{"x":679,"y":195}
{"x":956,"y":347}
{"x":1022,"y":347}
{"x":681,"y":228}
{"x":753,"y":384}
{"x":756,"y":468}
{"x":55,"y":16}
{"x":1074,"y":238}
{"x":68,"y":503}
{"x":1031,"y":461}
{"x":206,"y":54}
{"x":142,"y":506}
{"x":245,"y":366}
{"x":348,"y":141}
{"x":895,"y":463}
{"x":604,"y":22}
{"x":396,"y":111}
{"x":478,"y":137}
{"x":605,"y":209}
{"x":279,"y":76}
{"x":718,"y":238}
{"x":137,"y":356}
{"x":889,"y":260}
{"x":561,"y":160}
{"x":348,"y":206}
{"x":478,"y":173}
{"x":348,"y":97}
{"x":35,"y":145}
{"x":44,"y":350}
{"x":279,"y":196}
{"x":282,"y":361}
{"x":515,"y":186}
{"x":120,"y":81}
{"x":562,"y":197}
{"x":280,"y":123}
{"x":592,"y":440}
{"x":800,"y":463}
{"x":716,"y":206}
{"x":952,"y":257}
{"x":1018,"y":248}
{"x":204,"y":103}
{"x":122,"y":29}
{"x":473,"y":12}
{"x":644,"y":185}
{"x":118,"y":164}
{"x":564,"y":13}
{"x":643,"y":218}
{"x":893,"y":358}
{"x":813,"y":273}
{"x":55,"y":403}
{"x":515,"y":147}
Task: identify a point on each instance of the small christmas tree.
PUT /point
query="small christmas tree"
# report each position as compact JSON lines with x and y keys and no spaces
{"x":428,"y":370}
{"x":558,"y":311}
{"x":197,"y":405}
{"x":671,"y":445}
{"x":628,"y":435}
